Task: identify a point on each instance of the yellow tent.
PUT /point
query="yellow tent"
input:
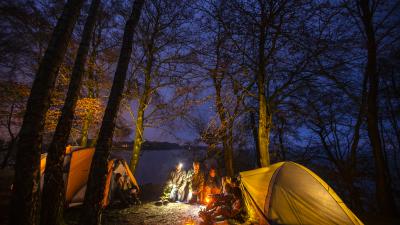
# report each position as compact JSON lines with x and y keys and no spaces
{"x":288,"y":193}
{"x":77,"y":164}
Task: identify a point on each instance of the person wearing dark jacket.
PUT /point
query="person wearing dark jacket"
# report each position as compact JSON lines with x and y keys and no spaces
{"x":119,"y":192}
{"x":195,"y":179}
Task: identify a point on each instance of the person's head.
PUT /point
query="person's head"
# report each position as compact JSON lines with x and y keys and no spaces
{"x":226,"y":180}
{"x":212,"y":172}
{"x":237,"y":193}
{"x":228,"y":188}
{"x":117,"y":177}
{"x":178,"y":167}
{"x":196,"y":167}
{"x":235,"y":182}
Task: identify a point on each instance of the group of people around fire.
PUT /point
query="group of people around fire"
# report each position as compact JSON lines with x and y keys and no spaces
{"x":222,"y":197}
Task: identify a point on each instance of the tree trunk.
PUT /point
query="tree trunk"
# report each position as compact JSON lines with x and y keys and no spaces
{"x":10,"y":149}
{"x":91,"y":94}
{"x":217,"y":76}
{"x":264,"y":123}
{"x":53,"y":189}
{"x":11,"y":145}
{"x":255,"y":137}
{"x":282,"y":154}
{"x":383,"y":189}
{"x":144,"y":100}
{"x":263,"y":118}
{"x":228,"y":155}
{"x":85,"y":131}
{"x":92,"y":210}
{"x":25,"y":200}
{"x":357,"y":126}
{"x":350,"y":174}
{"x":137,"y":145}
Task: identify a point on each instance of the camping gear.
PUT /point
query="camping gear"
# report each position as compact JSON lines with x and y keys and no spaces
{"x":77,"y":164}
{"x":289,"y":193}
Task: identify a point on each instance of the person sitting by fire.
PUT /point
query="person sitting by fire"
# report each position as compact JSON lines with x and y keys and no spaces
{"x":174,"y":185}
{"x":226,"y":181}
{"x":212,"y":184}
{"x":125,"y":192}
{"x":226,"y":206}
{"x":195,"y":181}
{"x":223,"y":198}
{"x":132,"y":191}
{"x":119,"y":192}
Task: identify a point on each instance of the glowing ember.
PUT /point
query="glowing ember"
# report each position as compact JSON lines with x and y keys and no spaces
{"x":189,"y":221}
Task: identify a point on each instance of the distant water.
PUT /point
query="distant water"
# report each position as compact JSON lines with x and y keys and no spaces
{"x":154,"y":165}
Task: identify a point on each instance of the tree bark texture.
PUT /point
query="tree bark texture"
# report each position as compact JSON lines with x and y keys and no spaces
{"x":11,"y":145}
{"x":138,"y":141}
{"x":226,"y":140}
{"x":217,"y":77}
{"x":255,"y":137}
{"x":264,"y":119}
{"x":85,"y":131}
{"x":91,"y":94}
{"x":24,"y":204}
{"x":229,"y":153}
{"x":54,"y":188}
{"x":92,"y":210}
{"x":144,"y":100}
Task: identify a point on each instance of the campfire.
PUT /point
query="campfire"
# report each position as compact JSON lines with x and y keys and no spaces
{"x":189,"y":221}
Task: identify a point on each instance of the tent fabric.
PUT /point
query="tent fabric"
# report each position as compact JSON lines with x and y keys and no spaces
{"x":129,"y":172}
{"x":106,"y":198}
{"x":288,"y":193}
{"x":77,"y":164}
{"x":255,"y":189}
{"x":78,"y":174}
{"x":43,"y":158}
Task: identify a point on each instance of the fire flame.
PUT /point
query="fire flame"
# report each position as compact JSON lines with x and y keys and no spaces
{"x":189,"y":221}
{"x":208,"y":199}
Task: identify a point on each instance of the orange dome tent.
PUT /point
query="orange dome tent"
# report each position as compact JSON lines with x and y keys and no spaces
{"x":77,"y":164}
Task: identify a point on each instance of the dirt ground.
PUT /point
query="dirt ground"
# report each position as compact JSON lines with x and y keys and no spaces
{"x":149,"y":214}
{"x":145,"y":214}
